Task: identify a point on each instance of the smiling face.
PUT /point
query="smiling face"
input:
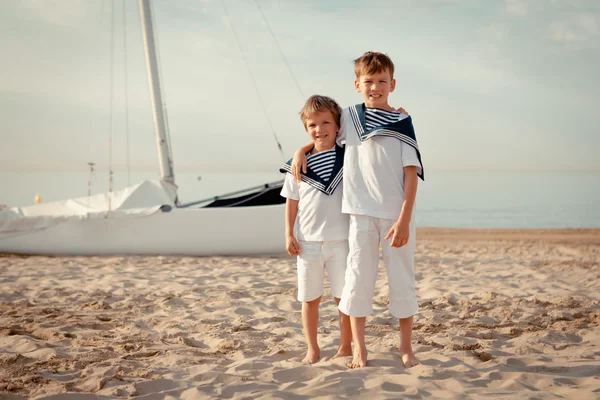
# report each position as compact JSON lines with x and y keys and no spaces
{"x":322,"y":129}
{"x":376,"y":88}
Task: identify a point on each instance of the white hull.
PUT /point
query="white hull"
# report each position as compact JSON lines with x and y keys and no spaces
{"x":182,"y":231}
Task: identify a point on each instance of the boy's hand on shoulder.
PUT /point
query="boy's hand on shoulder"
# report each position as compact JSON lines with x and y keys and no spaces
{"x":299,"y":164}
{"x":292,"y":246}
{"x":399,"y":234}
{"x":402,"y":111}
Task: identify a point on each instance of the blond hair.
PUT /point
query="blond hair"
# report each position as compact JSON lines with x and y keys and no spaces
{"x":373,"y":62}
{"x":316,"y":104}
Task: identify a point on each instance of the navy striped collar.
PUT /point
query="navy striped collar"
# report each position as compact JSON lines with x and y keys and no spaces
{"x":402,"y":130}
{"x":313,"y":179}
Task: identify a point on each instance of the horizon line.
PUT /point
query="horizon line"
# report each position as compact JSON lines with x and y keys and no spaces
{"x":245,"y":169}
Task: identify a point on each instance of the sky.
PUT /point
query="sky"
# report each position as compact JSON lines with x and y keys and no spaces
{"x":491,"y":85}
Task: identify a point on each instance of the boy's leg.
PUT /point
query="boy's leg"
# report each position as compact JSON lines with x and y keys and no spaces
{"x":361,"y":275}
{"x":310,"y":323}
{"x":345,"y":348}
{"x":337,"y":259}
{"x":406,"y":351}
{"x":310,"y":289}
{"x":357,"y":324}
{"x":399,"y":264}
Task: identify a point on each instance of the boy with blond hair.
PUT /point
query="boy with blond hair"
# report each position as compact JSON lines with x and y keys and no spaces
{"x":381,"y":169}
{"x":316,"y":230}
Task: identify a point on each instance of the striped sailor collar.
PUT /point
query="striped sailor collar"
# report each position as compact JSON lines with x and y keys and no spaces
{"x":402,"y":130}
{"x":313,"y":179}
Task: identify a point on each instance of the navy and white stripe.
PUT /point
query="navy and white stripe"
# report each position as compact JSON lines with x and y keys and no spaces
{"x":384,"y":123}
{"x":324,"y":170}
{"x":322,"y":163}
{"x":375,"y":117}
{"x":366,"y":133}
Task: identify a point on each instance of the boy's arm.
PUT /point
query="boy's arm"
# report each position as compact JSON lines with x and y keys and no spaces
{"x":291,"y":211}
{"x":401,"y":229}
{"x":411,"y":182}
{"x":299,"y":161}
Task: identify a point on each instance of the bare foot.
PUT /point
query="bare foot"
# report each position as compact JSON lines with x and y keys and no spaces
{"x":343,"y":352}
{"x":359,"y":360}
{"x":408,"y":358}
{"x":312,"y":357}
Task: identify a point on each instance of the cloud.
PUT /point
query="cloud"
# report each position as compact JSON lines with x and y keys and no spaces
{"x":527,"y":8}
{"x":56,"y":12}
{"x":496,"y":32}
{"x":517,"y":7}
{"x":580,"y":29}
{"x":574,"y":23}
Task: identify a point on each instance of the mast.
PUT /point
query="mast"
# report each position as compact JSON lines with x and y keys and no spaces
{"x":164,"y":158}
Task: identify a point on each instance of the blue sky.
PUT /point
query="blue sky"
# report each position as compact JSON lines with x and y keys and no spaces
{"x":498,"y":85}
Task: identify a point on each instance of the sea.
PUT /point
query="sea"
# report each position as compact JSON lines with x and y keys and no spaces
{"x":446,"y":198}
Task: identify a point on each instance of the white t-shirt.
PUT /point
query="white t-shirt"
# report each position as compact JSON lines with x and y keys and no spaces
{"x":320,"y":216}
{"x":374,"y":172}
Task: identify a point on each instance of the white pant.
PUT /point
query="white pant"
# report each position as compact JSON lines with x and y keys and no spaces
{"x":314,"y":259}
{"x":366,"y":233}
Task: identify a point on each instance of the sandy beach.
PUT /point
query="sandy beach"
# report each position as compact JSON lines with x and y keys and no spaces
{"x":507,"y":314}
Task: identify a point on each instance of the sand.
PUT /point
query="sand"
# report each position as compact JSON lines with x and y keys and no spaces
{"x":508,"y":314}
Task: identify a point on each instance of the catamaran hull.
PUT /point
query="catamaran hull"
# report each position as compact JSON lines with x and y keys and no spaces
{"x":181,"y":231}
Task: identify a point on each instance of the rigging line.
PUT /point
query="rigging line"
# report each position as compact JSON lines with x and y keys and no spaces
{"x":101,"y":26}
{"x":126,"y":94}
{"x":164,"y":95}
{"x":254,"y":82}
{"x":280,"y":51}
{"x":110,"y":134}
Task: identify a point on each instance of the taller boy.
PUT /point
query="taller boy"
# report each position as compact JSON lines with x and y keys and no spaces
{"x":381,"y":166}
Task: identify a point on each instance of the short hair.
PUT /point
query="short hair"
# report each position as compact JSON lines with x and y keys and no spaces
{"x":317,"y":103}
{"x":373,"y":62}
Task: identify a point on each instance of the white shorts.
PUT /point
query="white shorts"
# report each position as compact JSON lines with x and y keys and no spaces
{"x":366,"y":234}
{"x":314,"y":259}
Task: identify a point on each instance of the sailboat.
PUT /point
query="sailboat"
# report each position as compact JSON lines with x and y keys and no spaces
{"x":147,"y":218}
